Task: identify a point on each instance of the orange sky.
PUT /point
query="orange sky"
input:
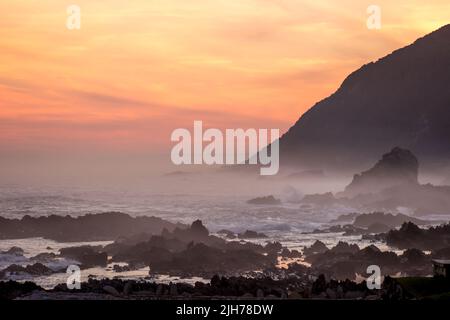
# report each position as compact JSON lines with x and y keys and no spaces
{"x":139,"y":69}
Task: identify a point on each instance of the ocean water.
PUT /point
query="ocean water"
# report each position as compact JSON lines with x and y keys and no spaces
{"x":285,"y":223}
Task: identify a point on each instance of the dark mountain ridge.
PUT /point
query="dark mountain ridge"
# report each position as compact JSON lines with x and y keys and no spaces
{"x":401,"y":99}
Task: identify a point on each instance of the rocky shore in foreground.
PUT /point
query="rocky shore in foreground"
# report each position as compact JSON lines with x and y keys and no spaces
{"x":217,"y":288}
{"x":236,"y":288}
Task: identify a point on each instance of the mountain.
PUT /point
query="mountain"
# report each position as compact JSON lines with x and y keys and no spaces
{"x":401,"y":99}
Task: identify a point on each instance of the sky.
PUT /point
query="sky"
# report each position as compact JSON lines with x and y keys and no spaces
{"x":136,"y":70}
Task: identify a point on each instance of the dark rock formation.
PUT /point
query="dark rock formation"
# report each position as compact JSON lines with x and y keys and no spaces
{"x":227,"y":233}
{"x":317,"y":247}
{"x":37,"y":269}
{"x":396,"y":168}
{"x":411,"y":236}
{"x":443,"y":253}
{"x":88,"y":256}
{"x":345,"y":218}
{"x":250,"y":234}
{"x":268,"y":200}
{"x":387,"y":219}
{"x":10,"y":290}
{"x":344,"y":261}
{"x":333,"y":289}
{"x":14,"y":251}
{"x":194,"y":251}
{"x":344,"y":247}
{"x":392,"y":183}
{"x":416,"y":288}
{"x":91,"y":227}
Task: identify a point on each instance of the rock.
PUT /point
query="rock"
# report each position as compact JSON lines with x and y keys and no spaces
{"x":345,"y":218}
{"x":229,"y":234}
{"x":12,"y":289}
{"x":90,"y":227}
{"x":268,"y":200}
{"x":331,"y":294}
{"x":320,"y":285}
{"x":317,"y":247}
{"x":14,"y":251}
{"x":173,"y":291}
{"x":443,"y":253}
{"x":378,"y":228}
{"x":159,"y":290}
{"x":111,"y":290}
{"x":128,"y":288}
{"x":273,"y":247}
{"x":294,"y":295}
{"x":37,"y":269}
{"x":249,"y":234}
{"x":44,"y":257}
{"x":199,"y":229}
{"x":354,"y":295}
{"x":259,"y":293}
{"x":398,"y":167}
{"x":119,"y":268}
{"x":411,"y":236}
{"x":339,"y":292}
{"x":387,"y":219}
{"x":193,"y":251}
{"x":344,"y":247}
{"x":88,"y":256}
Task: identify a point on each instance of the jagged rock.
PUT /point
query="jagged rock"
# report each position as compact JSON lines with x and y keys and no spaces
{"x":354,"y":295}
{"x":378,"y":228}
{"x":268,"y":200}
{"x":250,"y":234}
{"x":128,"y":288}
{"x":396,"y":168}
{"x":411,"y":236}
{"x":229,"y":234}
{"x":90,"y":227}
{"x":320,"y":285}
{"x":259,"y":293}
{"x":173,"y":291}
{"x":37,"y":269}
{"x":387,"y":219}
{"x":443,"y":253}
{"x":44,"y":257}
{"x":14,"y":251}
{"x":159,"y":290}
{"x":317,"y":247}
{"x":344,"y":247}
{"x":331,"y":294}
{"x":111,"y":290}
{"x":199,"y":229}
{"x":12,"y":289}
{"x":88,"y":256}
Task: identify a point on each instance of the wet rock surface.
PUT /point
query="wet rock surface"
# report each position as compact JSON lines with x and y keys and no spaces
{"x":91,"y":227}
{"x":412,"y":236}
{"x":194,"y":251}
{"x":267,"y":200}
{"x":87,"y":256}
{"x":346,"y":261}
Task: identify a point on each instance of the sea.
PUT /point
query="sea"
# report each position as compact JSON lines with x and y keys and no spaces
{"x":290,"y":223}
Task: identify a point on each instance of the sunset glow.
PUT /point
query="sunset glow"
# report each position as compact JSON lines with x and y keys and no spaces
{"x":137,"y":70}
